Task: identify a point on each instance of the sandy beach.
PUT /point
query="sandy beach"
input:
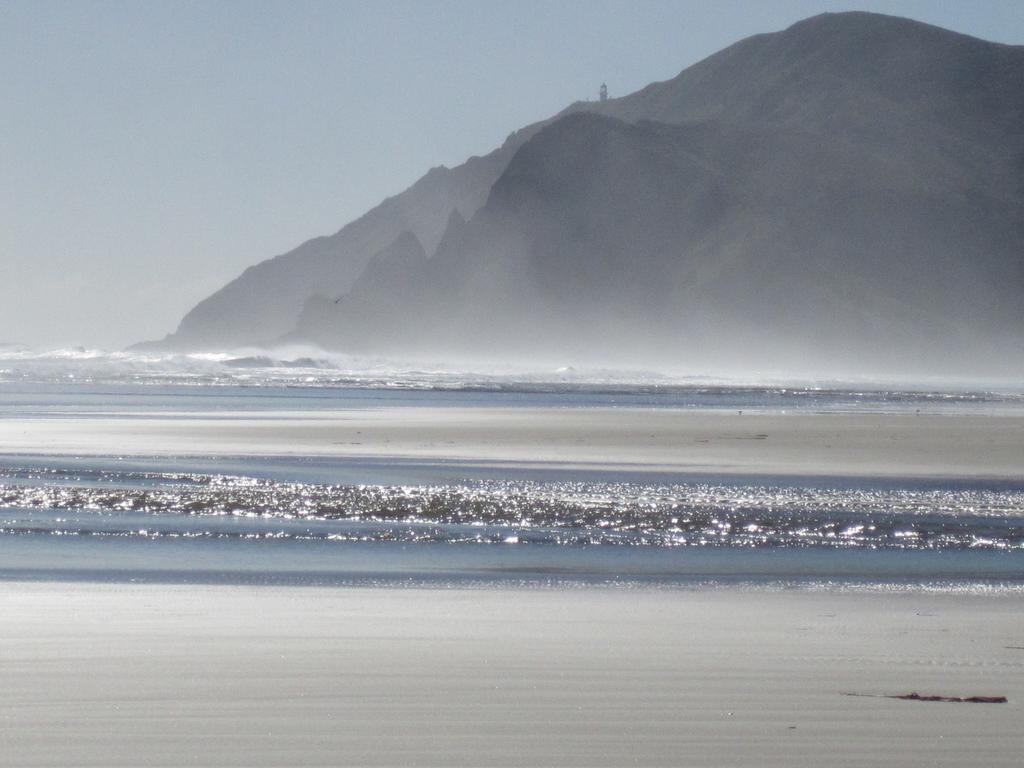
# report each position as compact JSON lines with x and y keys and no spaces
{"x":212,"y":674}
{"x":665,"y":440}
{"x":129,"y":675}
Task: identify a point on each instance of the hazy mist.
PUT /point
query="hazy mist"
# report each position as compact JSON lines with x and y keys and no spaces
{"x":152,"y":152}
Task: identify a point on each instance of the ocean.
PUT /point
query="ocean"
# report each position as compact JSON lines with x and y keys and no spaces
{"x":311,"y":519}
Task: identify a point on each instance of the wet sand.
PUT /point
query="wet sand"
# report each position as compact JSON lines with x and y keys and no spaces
{"x":876,"y":445}
{"x":129,"y":675}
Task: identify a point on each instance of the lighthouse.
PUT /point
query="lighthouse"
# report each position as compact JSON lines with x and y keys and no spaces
{"x":604,"y":92}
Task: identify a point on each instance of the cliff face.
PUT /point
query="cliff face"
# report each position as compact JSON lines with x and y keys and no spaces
{"x":265,"y":301}
{"x":610,"y":241}
{"x":851,"y":188}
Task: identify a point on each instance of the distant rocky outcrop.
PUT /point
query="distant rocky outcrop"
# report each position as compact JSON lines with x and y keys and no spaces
{"x":265,"y":301}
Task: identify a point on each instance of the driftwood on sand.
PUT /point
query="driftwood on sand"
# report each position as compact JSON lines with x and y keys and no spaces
{"x":914,"y":696}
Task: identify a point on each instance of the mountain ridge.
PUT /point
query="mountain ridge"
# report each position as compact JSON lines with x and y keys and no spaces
{"x":808,"y":159}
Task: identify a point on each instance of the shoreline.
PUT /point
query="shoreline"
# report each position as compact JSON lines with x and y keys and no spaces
{"x":969,"y":587}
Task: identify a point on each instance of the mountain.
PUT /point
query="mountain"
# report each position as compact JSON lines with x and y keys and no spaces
{"x":849,"y":190}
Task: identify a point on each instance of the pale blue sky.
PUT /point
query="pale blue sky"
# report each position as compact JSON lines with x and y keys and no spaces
{"x":150,"y":151}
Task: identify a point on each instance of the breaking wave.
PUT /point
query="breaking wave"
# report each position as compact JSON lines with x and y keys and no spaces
{"x":305,"y":367}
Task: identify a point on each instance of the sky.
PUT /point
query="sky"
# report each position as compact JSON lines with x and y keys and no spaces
{"x":151,"y":151}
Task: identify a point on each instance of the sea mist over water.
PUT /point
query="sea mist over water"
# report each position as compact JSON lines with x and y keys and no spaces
{"x":308,"y":366}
